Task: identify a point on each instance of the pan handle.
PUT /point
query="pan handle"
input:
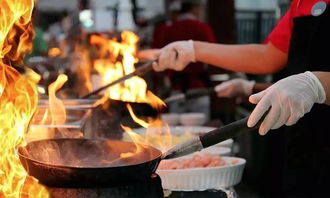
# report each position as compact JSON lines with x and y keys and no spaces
{"x":211,"y":138}
{"x":229,"y":131}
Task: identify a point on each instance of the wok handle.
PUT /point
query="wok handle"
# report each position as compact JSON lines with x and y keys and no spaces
{"x":198,"y":93}
{"x":138,"y":72}
{"x":211,"y":138}
{"x":229,"y":131}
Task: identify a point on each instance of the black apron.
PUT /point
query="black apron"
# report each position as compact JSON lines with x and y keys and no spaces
{"x":306,"y":145}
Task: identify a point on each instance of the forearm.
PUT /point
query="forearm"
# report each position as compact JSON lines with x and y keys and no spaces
{"x":252,"y":58}
{"x":324,"y":78}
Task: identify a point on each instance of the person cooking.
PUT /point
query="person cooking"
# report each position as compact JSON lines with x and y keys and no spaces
{"x":297,"y":44}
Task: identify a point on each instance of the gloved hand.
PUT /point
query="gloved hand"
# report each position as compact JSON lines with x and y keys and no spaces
{"x":234,"y":88}
{"x":289,"y":99}
{"x":149,"y":54}
{"x":175,"y":56}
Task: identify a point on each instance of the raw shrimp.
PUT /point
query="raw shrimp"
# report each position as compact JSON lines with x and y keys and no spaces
{"x":198,"y":160}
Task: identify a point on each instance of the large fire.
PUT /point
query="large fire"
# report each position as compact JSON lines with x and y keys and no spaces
{"x":116,"y":59}
{"x":18,"y":98}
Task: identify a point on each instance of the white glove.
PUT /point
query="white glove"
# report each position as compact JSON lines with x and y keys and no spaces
{"x":175,"y":56}
{"x":149,"y":54}
{"x":289,"y":99}
{"x":234,"y":88}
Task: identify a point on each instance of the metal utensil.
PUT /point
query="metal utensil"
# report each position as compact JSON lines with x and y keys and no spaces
{"x":181,"y":97}
{"x":211,"y":138}
{"x":138,"y":72}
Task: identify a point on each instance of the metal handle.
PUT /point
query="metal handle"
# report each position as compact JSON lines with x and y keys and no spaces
{"x":229,"y":131}
{"x":139,"y":71}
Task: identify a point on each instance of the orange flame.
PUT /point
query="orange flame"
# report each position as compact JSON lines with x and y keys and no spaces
{"x":18,"y":98}
{"x":117,"y":59}
{"x":54,"y":52}
{"x":54,"y":114}
{"x":158,"y":132}
{"x":57,"y":109}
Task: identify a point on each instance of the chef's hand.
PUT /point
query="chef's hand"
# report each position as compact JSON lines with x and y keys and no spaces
{"x":288,"y":99}
{"x":175,"y":56}
{"x":234,"y":88}
{"x":149,"y":54}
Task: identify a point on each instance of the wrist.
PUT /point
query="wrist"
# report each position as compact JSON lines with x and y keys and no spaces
{"x":317,"y":85}
{"x":197,"y":49}
{"x":193,"y":51}
{"x":324,"y":84}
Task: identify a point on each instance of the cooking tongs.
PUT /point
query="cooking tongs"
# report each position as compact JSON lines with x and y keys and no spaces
{"x":138,"y":72}
{"x":191,"y":94}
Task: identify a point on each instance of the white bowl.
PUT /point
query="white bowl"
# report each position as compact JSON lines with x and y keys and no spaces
{"x":170,"y":118}
{"x":199,"y":179}
{"x":192,"y":119}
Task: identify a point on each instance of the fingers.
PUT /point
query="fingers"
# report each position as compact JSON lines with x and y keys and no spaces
{"x":150,"y":54}
{"x":270,"y":120}
{"x":167,"y":60}
{"x":223,"y":89}
{"x":163,"y":60}
{"x":294,"y":117}
{"x":173,"y":60}
{"x":258,"y":112}
{"x":255,"y":98}
{"x":282,"y":119}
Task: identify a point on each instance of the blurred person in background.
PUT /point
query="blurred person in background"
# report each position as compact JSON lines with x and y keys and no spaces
{"x":297,"y":44}
{"x":160,"y":31}
{"x":187,"y":26}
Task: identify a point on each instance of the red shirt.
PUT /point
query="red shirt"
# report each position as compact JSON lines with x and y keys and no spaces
{"x":159,"y":35}
{"x":281,"y":35}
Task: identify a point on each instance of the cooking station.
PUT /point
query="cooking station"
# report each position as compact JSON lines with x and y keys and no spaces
{"x":79,"y":120}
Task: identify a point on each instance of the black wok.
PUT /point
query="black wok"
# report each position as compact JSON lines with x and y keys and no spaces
{"x":90,"y":162}
{"x":86,"y":162}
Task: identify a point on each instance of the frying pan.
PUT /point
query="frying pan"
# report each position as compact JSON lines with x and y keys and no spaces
{"x":91,"y":163}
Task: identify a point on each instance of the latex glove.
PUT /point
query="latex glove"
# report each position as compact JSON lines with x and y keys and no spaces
{"x":234,"y":88}
{"x":289,"y":99}
{"x":149,"y":54}
{"x":175,"y":56}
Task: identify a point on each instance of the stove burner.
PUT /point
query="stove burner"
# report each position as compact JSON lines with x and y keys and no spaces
{"x":149,"y":188}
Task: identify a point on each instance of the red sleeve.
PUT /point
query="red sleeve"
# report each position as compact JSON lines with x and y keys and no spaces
{"x":208,"y":34}
{"x":281,"y":35}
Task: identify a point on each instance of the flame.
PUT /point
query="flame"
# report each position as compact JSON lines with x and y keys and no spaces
{"x":81,"y":65}
{"x":117,"y":59}
{"x":57,"y":109}
{"x":55,"y":114}
{"x":18,"y":98}
{"x":158,"y":132}
{"x":54,"y":52}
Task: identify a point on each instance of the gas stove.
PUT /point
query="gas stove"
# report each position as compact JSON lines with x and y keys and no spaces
{"x":147,"y":188}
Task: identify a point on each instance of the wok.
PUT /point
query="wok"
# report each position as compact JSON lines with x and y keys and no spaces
{"x":86,"y":162}
{"x":95,"y":163}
